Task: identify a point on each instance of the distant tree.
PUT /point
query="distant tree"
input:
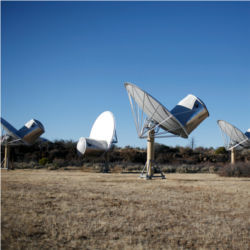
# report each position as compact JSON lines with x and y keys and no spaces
{"x":161,"y":148}
{"x":220,"y":150}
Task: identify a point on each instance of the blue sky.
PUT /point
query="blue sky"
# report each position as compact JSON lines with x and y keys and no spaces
{"x":64,"y":63}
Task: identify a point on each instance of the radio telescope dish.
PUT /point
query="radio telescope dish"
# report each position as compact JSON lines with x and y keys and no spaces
{"x":102,"y":135}
{"x":153,"y":120}
{"x":234,"y":139}
{"x":157,"y":114}
{"x":27,"y":135}
{"x":181,"y":121}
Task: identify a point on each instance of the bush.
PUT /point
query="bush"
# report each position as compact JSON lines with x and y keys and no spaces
{"x":236,"y":170}
{"x":59,"y":163}
{"x":24,"y":165}
{"x":43,"y":161}
{"x":220,"y":150}
{"x":134,"y":167}
{"x":168,"y":169}
{"x":51,"y":166}
{"x":188,"y":169}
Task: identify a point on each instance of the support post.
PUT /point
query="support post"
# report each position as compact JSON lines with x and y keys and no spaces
{"x":106,"y":164}
{"x":6,"y":157}
{"x":150,"y":153}
{"x":233,"y":156}
{"x":150,"y":164}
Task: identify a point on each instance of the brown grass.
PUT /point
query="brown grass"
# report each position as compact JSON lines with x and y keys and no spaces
{"x":78,"y":210}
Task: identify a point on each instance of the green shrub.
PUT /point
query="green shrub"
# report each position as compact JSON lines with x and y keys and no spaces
{"x":43,"y":161}
{"x":220,"y":150}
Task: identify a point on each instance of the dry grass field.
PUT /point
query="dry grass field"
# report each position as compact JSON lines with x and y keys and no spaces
{"x":79,"y":210}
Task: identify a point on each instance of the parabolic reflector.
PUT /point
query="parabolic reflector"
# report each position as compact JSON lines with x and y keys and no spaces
{"x":102,"y":135}
{"x":28,"y":134}
{"x":180,"y":121}
{"x":237,"y":139}
{"x":103,"y":128}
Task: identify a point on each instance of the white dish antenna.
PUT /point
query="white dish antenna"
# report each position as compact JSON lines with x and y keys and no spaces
{"x":153,"y":120}
{"x":102,"y":135}
{"x":150,"y":114}
{"x":234,"y":139}
{"x":27,"y":135}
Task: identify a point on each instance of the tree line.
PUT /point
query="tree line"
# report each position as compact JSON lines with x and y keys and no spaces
{"x":63,"y":153}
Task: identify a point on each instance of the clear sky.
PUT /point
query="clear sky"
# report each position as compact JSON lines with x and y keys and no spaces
{"x":64,"y":63}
